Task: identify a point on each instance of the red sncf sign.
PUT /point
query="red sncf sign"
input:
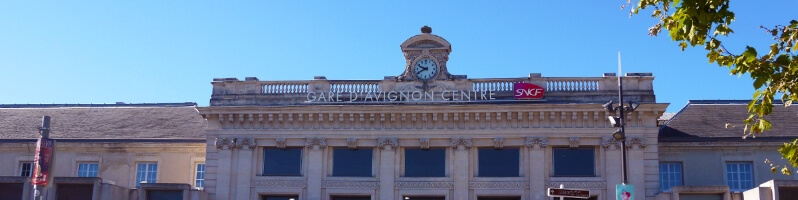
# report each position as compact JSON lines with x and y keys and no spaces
{"x":527,"y":91}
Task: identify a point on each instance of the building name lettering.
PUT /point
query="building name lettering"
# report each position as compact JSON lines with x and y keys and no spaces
{"x":391,"y":96}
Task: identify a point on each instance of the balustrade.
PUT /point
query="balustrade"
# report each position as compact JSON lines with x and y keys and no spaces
{"x":285,"y":87}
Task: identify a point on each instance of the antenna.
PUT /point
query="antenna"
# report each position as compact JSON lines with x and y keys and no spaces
{"x":619,"y":65}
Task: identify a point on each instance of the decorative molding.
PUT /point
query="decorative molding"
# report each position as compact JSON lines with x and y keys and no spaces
{"x":426,"y":120}
{"x":498,"y":185}
{"x":316,"y":142}
{"x":424,"y":143}
{"x":608,"y":141}
{"x":146,"y":154}
{"x":79,"y":154}
{"x":342,"y":184}
{"x":199,"y":154}
{"x":425,"y":185}
{"x":246,"y":143}
{"x":289,"y":184}
{"x":498,"y":142}
{"x":387,"y":143}
{"x":541,"y":142}
{"x":574,"y":142}
{"x":700,"y":189}
{"x":639,"y":141}
{"x":224,"y":143}
{"x":280,"y":143}
{"x":578,"y":184}
{"x":466,"y":142}
{"x":351,"y":143}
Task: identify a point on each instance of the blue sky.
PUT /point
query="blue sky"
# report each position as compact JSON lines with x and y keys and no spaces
{"x":157,"y":51}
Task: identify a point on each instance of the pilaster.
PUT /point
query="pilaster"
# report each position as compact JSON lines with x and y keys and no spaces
{"x":224,"y":146}
{"x":461,"y":175}
{"x":244,"y":169}
{"x":537,"y":173}
{"x":612,"y":164}
{"x":388,"y":148}
{"x":315,"y":148}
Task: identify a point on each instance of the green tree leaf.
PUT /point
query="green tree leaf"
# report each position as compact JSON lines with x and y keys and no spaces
{"x":702,"y":22}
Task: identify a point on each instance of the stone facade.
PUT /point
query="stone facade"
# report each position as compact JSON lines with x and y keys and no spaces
{"x":246,"y":117}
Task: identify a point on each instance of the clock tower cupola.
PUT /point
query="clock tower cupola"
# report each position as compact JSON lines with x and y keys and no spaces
{"x":425,"y":57}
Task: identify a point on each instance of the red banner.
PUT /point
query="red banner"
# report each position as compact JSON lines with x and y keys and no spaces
{"x":45,"y":148}
{"x":527,"y":91}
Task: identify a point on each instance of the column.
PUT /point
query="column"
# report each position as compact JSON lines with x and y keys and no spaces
{"x":460,"y":173}
{"x":225,"y":169}
{"x":244,"y":169}
{"x":537,"y":167}
{"x":612,"y":164}
{"x":387,"y":176}
{"x":636,"y":167}
{"x":315,"y":148}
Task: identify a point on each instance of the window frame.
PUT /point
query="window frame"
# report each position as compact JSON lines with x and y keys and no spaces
{"x":89,"y":171}
{"x":520,"y":166}
{"x":335,"y":197}
{"x":197,"y":175}
{"x":301,"y":168}
{"x":404,"y":162}
{"x":739,"y":175}
{"x":289,"y":196}
{"x":595,"y":162}
{"x":22,"y":170}
{"x":670,"y":165}
{"x":136,"y":180}
{"x":374,"y":159}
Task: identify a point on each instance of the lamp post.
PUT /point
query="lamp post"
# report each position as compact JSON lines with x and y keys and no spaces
{"x":620,"y":121}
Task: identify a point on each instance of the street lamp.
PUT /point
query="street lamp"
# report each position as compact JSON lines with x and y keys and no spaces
{"x":620,"y":134}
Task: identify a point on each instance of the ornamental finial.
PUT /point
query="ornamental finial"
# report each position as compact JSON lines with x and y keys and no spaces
{"x":426,"y":29}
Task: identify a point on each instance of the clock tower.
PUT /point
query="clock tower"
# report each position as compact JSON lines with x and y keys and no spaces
{"x":425,"y":56}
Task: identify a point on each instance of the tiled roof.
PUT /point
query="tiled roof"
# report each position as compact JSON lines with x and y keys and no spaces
{"x":109,"y":121}
{"x":706,"y":120}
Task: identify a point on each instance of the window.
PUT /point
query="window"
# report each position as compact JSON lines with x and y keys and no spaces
{"x":199,"y":180}
{"x":74,"y":191}
{"x":574,"y":162}
{"x":498,"y":162}
{"x":164,"y":194}
{"x":670,"y":174}
{"x":701,"y":196}
{"x":87,"y":169}
{"x":424,"y":198}
{"x":26,"y":169}
{"x":145,"y":172}
{"x":280,"y":197}
{"x":425,"y":162}
{"x":352,"y":198}
{"x":499,"y":198}
{"x":352,"y":162}
{"x":739,"y":176}
{"x":589,"y":198}
{"x":282,"y":162}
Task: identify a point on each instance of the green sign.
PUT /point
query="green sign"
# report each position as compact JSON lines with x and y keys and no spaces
{"x":624,"y":192}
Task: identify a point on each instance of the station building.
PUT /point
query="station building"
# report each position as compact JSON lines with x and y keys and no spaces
{"x":422,"y":134}
{"x":425,"y":133}
{"x":106,"y":151}
{"x":703,"y":155}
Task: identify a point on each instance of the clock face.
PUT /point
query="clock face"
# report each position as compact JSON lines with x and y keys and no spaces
{"x":426,"y":69}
